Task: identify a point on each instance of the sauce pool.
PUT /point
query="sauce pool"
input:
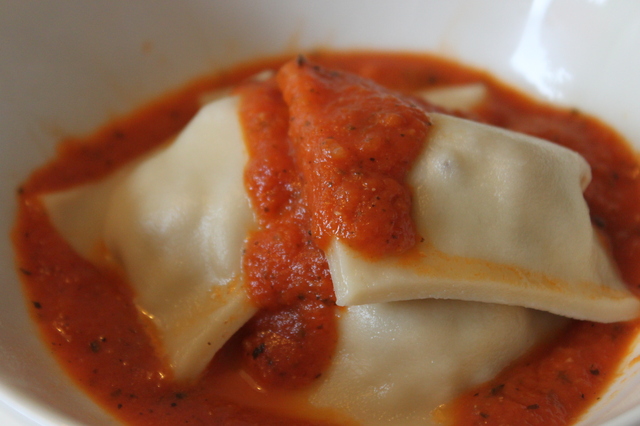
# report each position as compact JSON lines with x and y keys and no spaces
{"x":88,"y":320}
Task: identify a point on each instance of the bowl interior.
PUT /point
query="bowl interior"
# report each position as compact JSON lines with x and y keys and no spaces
{"x":69,"y":67}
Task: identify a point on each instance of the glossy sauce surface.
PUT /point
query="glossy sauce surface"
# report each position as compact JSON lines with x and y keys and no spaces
{"x":89,"y":321}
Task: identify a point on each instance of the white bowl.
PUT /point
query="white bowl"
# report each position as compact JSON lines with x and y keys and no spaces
{"x":68,"y":66}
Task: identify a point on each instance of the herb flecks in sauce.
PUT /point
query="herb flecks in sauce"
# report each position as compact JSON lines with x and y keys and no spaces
{"x":361,"y":138}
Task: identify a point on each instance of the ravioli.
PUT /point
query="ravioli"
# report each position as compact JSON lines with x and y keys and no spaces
{"x":503,"y":221}
{"x":176,"y":222}
{"x":396,"y":362}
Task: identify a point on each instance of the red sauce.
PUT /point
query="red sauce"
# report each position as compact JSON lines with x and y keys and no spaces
{"x":291,"y":340}
{"x":554,"y":384}
{"x":354,"y":142}
{"x":87,"y":317}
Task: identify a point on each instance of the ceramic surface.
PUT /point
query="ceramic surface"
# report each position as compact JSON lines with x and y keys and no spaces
{"x":68,"y":66}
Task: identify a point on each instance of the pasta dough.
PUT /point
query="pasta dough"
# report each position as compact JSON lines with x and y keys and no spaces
{"x":503,"y":221}
{"x":397,"y":361}
{"x":176,"y":222}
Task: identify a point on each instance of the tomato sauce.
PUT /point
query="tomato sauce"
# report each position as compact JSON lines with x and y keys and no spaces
{"x":87,"y":317}
{"x":350,"y":134}
{"x":291,"y":340}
